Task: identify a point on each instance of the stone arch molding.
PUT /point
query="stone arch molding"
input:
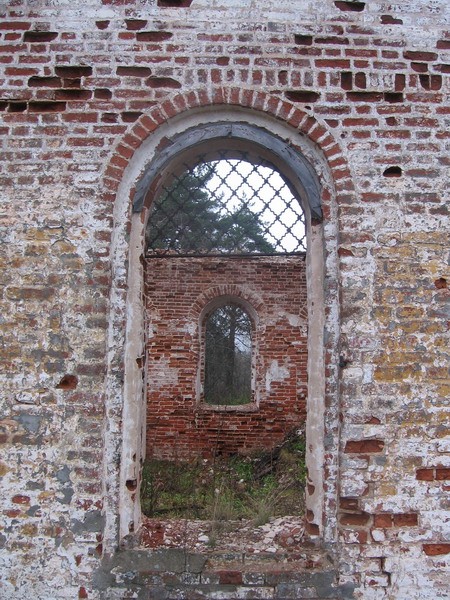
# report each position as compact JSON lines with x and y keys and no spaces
{"x":318,"y":176}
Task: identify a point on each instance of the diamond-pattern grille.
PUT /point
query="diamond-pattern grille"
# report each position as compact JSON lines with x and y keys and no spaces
{"x":227,"y":205}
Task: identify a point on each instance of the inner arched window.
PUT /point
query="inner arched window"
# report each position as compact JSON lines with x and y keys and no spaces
{"x":228,"y":356}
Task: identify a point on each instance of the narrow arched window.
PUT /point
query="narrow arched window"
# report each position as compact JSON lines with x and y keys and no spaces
{"x":228,"y":356}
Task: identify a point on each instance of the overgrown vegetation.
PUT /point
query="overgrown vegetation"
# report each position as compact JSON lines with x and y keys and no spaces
{"x":239,"y":487}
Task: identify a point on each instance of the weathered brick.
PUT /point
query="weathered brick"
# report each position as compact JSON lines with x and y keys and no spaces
{"x":364,"y":446}
{"x":73,"y":130}
{"x":436,"y":549}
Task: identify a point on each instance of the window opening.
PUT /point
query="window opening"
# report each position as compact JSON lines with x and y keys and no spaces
{"x":228,"y":356}
{"x":225,"y":204}
{"x":226,"y":225}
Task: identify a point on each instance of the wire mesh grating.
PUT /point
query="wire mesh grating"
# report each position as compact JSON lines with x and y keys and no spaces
{"x":228,"y":205}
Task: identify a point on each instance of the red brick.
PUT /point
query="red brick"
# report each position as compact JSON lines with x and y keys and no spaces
{"x":21,"y":499}
{"x":442,"y":473}
{"x":436,"y":549}
{"x":405,"y":520}
{"x":230,"y":577}
{"x":39,"y":36}
{"x":364,"y":446}
{"x":382,"y":520}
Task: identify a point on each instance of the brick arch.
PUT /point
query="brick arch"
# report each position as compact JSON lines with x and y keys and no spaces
{"x":259,"y":101}
{"x":229,"y":290}
{"x":282,"y":119}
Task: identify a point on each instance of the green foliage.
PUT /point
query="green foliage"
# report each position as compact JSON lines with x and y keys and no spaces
{"x":187,"y":217}
{"x":258,"y":487}
{"x":173,"y":489}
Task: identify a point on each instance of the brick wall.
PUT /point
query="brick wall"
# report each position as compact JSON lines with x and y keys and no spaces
{"x":84,"y":86}
{"x":178,"y":291}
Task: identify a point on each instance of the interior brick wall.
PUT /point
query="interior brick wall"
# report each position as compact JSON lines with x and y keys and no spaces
{"x":177,"y":291}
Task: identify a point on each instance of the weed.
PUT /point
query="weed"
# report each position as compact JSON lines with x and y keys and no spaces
{"x":226,"y":489}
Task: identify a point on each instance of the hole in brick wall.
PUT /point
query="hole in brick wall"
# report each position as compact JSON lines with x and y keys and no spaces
{"x":17,"y":106}
{"x":364,"y":446}
{"x":431,"y":82}
{"x":134,"y":71}
{"x":174,"y":3}
{"x":130,"y":116}
{"x":346,"y":80}
{"x":350,"y":6}
{"x":131,"y":485}
{"x":39,"y":36}
{"x":390,"y":20}
{"x":302,"y":96}
{"x":303,"y":40}
{"x":71,"y":94}
{"x":109,"y":118}
{"x":135,"y":24}
{"x":3,"y":105}
{"x":68,"y":382}
{"x":440,"y":283}
{"x":393,"y":97}
{"x":73,"y":71}
{"x":163,"y":82}
{"x":393,"y":172}
{"x":46,"y":107}
{"x":153,"y":36}
{"x":44,"y":82}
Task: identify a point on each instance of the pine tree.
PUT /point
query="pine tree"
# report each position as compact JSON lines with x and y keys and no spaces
{"x":188,"y":218}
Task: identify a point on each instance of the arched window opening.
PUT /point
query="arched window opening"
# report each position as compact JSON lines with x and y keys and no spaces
{"x":225,"y":203}
{"x":228,"y":357}
{"x":225,"y":226}
{"x":204,"y":260}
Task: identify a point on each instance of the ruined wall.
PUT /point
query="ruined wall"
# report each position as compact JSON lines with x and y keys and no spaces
{"x":83,"y":85}
{"x":179,"y":425}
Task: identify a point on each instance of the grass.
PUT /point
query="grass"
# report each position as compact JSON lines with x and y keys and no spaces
{"x":239,"y":487}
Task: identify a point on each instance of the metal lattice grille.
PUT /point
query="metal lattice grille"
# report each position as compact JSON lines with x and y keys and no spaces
{"x":227,"y":205}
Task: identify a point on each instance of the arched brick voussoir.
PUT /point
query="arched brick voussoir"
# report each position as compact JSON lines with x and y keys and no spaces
{"x":255,"y":100}
{"x":229,"y":290}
